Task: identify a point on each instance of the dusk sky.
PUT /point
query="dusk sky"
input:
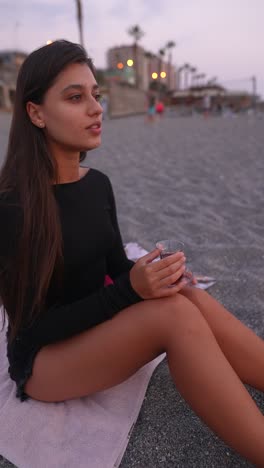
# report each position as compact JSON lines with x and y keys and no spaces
{"x":223,"y":39}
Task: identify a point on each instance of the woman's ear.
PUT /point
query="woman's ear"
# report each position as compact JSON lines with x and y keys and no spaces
{"x":35,"y":114}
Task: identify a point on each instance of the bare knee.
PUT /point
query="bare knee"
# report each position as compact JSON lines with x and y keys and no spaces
{"x":195,"y":295}
{"x":179,"y":316}
{"x":139,"y":333}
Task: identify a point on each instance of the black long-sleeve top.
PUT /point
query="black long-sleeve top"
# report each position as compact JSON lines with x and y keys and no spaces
{"x":92,"y":249}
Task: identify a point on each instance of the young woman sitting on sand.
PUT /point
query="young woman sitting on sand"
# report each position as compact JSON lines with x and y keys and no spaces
{"x":70,"y":336}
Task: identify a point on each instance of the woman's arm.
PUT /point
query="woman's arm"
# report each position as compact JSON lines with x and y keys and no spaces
{"x":117,"y":261}
{"x":63,"y":321}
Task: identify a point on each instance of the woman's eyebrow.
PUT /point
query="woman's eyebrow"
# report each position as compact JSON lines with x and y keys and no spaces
{"x":79,"y":87}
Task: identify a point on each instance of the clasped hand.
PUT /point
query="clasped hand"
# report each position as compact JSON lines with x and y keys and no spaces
{"x":152,"y":280}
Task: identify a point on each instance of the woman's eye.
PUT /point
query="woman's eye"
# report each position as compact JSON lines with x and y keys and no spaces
{"x":98,"y":97}
{"x":76,"y":97}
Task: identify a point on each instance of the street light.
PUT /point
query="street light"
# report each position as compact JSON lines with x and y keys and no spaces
{"x":130,"y":63}
{"x":154,"y":75}
{"x":120,"y":66}
{"x":163,"y":74}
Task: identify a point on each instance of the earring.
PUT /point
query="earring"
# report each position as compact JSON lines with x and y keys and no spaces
{"x":42,"y":125}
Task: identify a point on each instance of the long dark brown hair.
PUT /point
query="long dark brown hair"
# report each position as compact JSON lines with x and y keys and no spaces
{"x":28,"y":171}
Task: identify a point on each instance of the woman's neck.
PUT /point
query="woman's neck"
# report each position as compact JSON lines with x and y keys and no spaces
{"x":68,"y":172}
{"x":68,"y":166}
{"x":68,"y":163}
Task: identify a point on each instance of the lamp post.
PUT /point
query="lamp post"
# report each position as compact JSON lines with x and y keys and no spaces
{"x":129,"y":71}
{"x":160,"y":55}
{"x":149,"y":56}
{"x":137,"y":33}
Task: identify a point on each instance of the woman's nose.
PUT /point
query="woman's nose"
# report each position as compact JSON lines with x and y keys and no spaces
{"x":94,"y":107}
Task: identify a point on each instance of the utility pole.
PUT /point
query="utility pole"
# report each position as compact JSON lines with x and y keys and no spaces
{"x":80,"y":20}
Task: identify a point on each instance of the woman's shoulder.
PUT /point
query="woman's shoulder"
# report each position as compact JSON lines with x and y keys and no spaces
{"x":98,"y":174}
{"x":99,"y":178}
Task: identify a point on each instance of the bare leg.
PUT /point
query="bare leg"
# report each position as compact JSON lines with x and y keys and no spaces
{"x":241,"y":346}
{"x":108,"y":354}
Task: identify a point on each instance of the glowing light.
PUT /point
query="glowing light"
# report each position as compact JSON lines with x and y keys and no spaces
{"x":120,"y":65}
{"x":154,"y":76}
{"x":163,"y":74}
{"x":130,"y":63}
{"x":49,"y":42}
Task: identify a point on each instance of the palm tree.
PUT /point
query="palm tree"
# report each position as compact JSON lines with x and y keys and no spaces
{"x":80,"y":20}
{"x":193,"y":70}
{"x":137,"y":34}
{"x":169,"y":46}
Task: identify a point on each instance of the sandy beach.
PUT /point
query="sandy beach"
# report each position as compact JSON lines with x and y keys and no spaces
{"x":201,"y":181}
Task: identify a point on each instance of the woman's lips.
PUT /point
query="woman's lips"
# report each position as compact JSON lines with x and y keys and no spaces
{"x":95,"y":128}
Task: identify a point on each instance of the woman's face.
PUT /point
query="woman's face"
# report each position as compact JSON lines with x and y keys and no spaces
{"x":71,"y":111}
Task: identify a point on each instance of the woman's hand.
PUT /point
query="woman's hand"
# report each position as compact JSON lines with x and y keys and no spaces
{"x":190,"y":277}
{"x":152,"y":280}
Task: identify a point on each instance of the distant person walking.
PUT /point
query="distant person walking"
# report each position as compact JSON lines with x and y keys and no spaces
{"x":151,"y":111}
{"x":160,"y":108}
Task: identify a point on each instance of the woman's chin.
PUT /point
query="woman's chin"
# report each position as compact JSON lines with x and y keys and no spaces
{"x":92,"y":144}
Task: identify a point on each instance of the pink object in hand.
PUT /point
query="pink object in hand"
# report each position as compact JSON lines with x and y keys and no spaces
{"x":108,"y":280}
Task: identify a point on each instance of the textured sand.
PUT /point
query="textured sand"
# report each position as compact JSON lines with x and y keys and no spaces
{"x":200,"y":180}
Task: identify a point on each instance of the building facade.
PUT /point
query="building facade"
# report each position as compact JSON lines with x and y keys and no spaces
{"x":10,"y":63}
{"x":136,"y":66}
